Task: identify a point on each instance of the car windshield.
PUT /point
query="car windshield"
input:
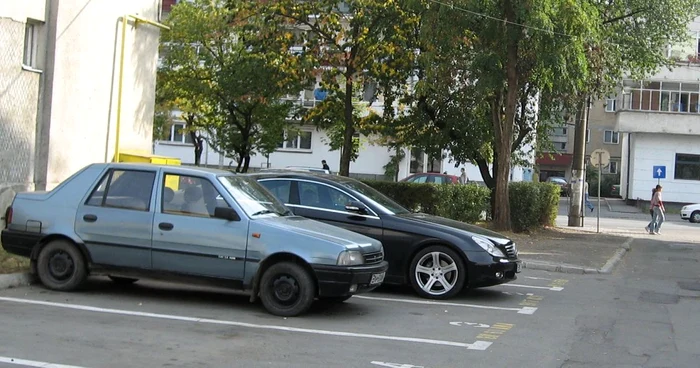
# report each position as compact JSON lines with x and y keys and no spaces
{"x":252,"y":197}
{"x":379,"y":199}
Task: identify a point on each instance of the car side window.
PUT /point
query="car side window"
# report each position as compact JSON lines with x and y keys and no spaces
{"x":190,"y":196}
{"x":126,"y":189}
{"x":322,"y":196}
{"x":439,"y":179}
{"x":420,"y":179}
{"x":279,"y":188}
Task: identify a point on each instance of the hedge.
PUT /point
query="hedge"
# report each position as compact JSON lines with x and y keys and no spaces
{"x":532,"y":205}
{"x":464,"y":203}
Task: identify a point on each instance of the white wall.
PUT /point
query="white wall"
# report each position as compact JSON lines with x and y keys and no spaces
{"x":82,"y":76}
{"x":660,"y":150}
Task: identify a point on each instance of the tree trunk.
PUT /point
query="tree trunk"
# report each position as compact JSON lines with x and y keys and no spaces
{"x":198,"y":142}
{"x":503,"y":125}
{"x":346,"y":150}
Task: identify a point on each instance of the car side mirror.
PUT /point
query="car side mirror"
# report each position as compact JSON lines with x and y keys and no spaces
{"x":226,"y":213}
{"x":356,"y":206}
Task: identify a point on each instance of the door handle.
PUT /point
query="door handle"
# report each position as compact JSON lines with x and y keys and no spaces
{"x":165,"y":226}
{"x":90,"y":218}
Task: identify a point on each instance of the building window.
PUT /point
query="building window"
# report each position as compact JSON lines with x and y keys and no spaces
{"x":31,"y":47}
{"x":611,"y":137}
{"x":559,"y":146}
{"x":687,"y":167}
{"x":610,"y":105}
{"x":559,"y":131}
{"x":299,"y":142}
{"x":611,"y":168}
{"x":178,"y":134}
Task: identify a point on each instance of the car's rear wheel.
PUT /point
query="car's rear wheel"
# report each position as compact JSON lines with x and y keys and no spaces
{"x":61,"y":266}
{"x":695,"y":217}
{"x":437,"y":272}
{"x":122,"y":280}
{"x":287,"y":289}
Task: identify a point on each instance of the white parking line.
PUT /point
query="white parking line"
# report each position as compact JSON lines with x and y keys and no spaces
{"x":33,"y":363}
{"x":523,"y":310}
{"x":536,"y":278}
{"x":555,"y":288}
{"x":477,"y":345}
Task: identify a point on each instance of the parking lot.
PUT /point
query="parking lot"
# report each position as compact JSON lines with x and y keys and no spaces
{"x":170,"y":325}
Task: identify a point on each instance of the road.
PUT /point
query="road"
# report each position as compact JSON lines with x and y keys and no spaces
{"x":643,"y":315}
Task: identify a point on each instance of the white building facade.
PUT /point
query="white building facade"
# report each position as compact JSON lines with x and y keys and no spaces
{"x":59,"y":74}
{"x":659,"y":124}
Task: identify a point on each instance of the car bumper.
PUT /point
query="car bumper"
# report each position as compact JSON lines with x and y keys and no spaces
{"x":19,"y":242}
{"x":685,"y":215}
{"x":495,"y":273}
{"x":343,"y":281}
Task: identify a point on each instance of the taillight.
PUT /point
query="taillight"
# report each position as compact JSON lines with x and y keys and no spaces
{"x":8,"y":216}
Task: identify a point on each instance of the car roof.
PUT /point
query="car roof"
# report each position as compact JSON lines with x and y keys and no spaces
{"x":292,"y":174}
{"x":180,"y":168}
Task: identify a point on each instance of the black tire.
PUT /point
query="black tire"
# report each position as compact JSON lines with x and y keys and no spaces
{"x":335,"y":299}
{"x":446,"y":254}
{"x":122,"y":280}
{"x":61,"y":266}
{"x":287,"y":289}
{"x":694,"y":217}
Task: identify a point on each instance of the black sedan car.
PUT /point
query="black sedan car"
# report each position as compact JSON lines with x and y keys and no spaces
{"x":438,"y":257}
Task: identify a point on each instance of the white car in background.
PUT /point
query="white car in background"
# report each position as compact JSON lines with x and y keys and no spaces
{"x":691,"y":213}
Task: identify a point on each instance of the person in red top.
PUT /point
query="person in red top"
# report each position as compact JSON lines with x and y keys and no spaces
{"x":657,"y":205}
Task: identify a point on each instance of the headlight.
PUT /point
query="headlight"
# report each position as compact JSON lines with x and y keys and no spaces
{"x":350,"y":257}
{"x":684,"y":208}
{"x":488,"y":246}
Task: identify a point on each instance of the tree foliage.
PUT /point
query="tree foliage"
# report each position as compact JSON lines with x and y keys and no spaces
{"x":353,"y":44}
{"x":227,"y":72}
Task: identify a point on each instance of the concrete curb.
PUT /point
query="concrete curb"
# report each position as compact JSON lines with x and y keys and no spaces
{"x":16,"y":279}
{"x":568,"y":268}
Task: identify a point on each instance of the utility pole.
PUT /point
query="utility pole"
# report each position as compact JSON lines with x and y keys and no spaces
{"x":579,"y":165}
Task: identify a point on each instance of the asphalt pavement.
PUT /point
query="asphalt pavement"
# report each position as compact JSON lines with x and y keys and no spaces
{"x":643,"y":314}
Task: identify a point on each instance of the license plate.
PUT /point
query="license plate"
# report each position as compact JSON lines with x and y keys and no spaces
{"x":518,"y":267}
{"x":377,"y":278}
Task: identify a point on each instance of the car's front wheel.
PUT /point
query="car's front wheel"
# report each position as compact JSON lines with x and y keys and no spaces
{"x":61,"y":266}
{"x":287,"y":289}
{"x":695,"y":217}
{"x":437,"y":272}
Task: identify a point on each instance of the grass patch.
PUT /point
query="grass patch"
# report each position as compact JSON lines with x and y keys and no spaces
{"x":12,"y":264}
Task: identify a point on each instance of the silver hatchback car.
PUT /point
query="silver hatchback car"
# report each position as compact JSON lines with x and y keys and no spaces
{"x":131,"y":221}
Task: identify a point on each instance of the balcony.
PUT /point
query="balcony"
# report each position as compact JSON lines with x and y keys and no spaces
{"x":659,"y":107}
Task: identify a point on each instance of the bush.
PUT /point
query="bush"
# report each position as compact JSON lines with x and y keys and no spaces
{"x":533,"y":205}
{"x":463,"y":203}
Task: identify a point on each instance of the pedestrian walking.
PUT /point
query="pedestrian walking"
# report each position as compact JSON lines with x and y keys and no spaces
{"x":585,"y":192}
{"x":463,"y":179}
{"x":657,"y":205}
{"x":651,"y":212}
{"x":325,"y":165}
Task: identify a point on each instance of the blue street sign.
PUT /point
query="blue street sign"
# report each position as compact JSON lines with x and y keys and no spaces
{"x":659,"y":172}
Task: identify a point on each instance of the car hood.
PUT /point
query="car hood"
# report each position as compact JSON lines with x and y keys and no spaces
{"x":446,"y":224}
{"x":319,"y":230}
{"x":695,"y":206}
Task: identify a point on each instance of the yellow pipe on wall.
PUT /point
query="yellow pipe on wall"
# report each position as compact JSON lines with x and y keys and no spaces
{"x":125,"y":20}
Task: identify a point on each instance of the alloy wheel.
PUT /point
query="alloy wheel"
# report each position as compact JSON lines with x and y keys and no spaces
{"x":436,"y":273}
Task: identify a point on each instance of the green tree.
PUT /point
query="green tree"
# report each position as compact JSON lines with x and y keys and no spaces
{"x":354,"y":44}
{"x":227,"y":70}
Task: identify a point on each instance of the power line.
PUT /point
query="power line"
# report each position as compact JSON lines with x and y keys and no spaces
{"x":452,"y":6}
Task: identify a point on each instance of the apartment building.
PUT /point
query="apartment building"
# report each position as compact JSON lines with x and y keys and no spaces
{"x":659,"y":124}
{"x":59,"y":73}
{"x":601,"y":134}
{"x":311,"y":145}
